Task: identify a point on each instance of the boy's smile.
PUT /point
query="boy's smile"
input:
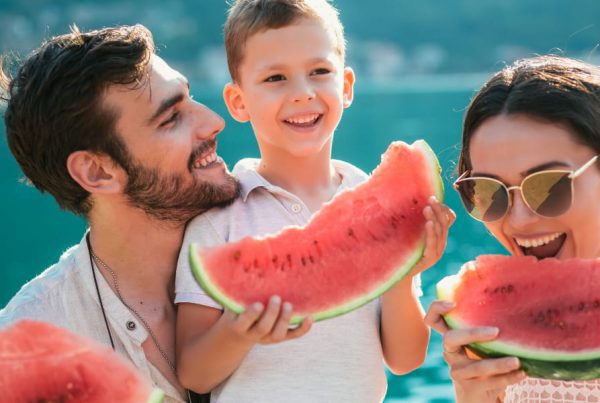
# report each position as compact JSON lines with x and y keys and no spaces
{"x":293,"y":89}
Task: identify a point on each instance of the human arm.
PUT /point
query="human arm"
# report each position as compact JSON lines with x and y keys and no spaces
{"x":211,"y":344}
{"x":404,"y":335}
{"x":475,"y":380}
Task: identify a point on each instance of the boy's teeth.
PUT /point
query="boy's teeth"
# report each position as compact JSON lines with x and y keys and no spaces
{"x":303,"y":119}
{"x":529,"y":243}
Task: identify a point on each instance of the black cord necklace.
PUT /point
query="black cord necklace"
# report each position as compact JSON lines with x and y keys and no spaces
{"x":87,"y":239}
{"x":191,"y":396}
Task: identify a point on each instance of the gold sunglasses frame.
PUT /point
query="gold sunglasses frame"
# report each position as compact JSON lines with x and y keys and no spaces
{"x":572,"y":175}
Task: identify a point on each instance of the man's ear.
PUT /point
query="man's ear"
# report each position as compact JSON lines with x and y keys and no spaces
{"x":96,"y":173}
{"x":349,"y":80}
{"x":234,"y":99}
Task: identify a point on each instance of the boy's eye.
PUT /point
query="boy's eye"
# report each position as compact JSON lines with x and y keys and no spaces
{"x":172,"y":118}
{"x":274,"y":78}
{"x":320,"y":71}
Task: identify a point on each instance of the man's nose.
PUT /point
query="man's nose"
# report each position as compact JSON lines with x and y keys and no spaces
{"x":208,"y":122}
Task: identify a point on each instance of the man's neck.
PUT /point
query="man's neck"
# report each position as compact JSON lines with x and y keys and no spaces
{"x":141,"y":250}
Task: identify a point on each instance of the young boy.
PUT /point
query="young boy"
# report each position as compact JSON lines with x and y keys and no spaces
{"x":286,"y":59}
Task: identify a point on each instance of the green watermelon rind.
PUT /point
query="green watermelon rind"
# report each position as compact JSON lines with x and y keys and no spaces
{"x":540,"y":363}
{"x":217,"y":295}
{"x":157,"y":396}
{"x":220,"y":297}
{"x":434,"y":168}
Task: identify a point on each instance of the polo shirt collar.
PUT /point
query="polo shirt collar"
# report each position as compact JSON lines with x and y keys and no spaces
{"x":246,"y":172}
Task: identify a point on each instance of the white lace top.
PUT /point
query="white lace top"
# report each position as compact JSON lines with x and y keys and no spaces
{"x":533,"y":390}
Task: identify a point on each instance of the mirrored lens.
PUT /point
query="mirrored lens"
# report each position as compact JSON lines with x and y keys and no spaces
{"x":548,"y":193}
{"x":484,"y":199}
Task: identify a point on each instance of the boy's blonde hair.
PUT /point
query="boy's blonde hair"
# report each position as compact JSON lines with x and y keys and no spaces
{"x":248,"y":17}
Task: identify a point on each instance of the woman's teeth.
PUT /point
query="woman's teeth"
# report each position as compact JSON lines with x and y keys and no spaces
{"x":205,"y":161}
{"x":530,"y":243}
{"x":303,"y":120}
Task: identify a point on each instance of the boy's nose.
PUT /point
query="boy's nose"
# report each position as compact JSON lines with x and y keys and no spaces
{"x":302,"y":91}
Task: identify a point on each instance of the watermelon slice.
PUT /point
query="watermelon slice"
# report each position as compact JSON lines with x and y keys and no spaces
{"x":548,"y":311}
{"x":351,"y":251}
{"x":40,"y":362}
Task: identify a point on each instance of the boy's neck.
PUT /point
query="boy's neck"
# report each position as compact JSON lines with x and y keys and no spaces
{"x":313,"y":178}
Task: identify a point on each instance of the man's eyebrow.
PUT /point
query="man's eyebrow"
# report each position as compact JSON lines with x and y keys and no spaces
{"x":166,"y":104}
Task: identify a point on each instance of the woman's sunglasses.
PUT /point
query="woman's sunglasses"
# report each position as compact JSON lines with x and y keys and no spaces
{"x":546,"y":193}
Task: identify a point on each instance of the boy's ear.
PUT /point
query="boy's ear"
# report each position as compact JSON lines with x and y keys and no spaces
{"x":96,"y":173}
{"x":234,"y":99}
{"x":349,"y":80}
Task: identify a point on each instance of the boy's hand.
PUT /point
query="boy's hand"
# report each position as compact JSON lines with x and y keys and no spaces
{"x":265,"y":326}
{"x":439,"y":219}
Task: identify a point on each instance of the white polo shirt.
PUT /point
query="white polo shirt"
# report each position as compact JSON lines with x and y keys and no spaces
{"x":338,"y":360}
{"x":65,"y":295}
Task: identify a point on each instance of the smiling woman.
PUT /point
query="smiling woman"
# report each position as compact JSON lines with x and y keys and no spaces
{"x":529,"y":172}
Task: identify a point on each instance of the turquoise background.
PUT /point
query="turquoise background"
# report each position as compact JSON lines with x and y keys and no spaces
{"x":36,"y":231}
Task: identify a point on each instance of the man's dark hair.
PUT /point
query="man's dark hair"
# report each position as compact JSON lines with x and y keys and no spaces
{"x":55,"y":104}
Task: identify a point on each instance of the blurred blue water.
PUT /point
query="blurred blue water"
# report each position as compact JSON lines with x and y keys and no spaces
{"x":35,"y":231}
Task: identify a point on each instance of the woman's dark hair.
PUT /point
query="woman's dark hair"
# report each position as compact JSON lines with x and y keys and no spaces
{"x":549,"y":88}
{"x":55,"y":104}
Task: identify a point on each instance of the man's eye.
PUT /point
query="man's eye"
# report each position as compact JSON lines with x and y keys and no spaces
{"x":320,"y":71}
{"x":274,"y":78}
{"x":174,"y":116}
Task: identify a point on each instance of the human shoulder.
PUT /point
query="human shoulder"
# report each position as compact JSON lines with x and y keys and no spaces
{"x":46,"y":297}
{"x":351,"y":174}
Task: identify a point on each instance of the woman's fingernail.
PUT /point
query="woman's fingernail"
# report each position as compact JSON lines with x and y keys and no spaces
{"x":512,"y":362}
{"x":448,"y":304}
{"x":489,"y":331}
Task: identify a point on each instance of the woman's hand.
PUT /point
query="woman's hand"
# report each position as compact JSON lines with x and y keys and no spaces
{"x":475,"y":380}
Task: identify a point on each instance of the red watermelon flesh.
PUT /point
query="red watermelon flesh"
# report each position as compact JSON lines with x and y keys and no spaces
{"x":547,"y":310}
{"x":40,"y":362}
{"x":356,"y":247}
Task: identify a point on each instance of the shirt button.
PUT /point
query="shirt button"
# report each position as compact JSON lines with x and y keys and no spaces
{"x":130,"y":325}
{"x":296,"y":208}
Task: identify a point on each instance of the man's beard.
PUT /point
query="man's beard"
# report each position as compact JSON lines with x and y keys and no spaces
{"x":168,"y":198}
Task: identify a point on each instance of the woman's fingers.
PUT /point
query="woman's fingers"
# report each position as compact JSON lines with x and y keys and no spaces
{"x":489,"y":367}
{"x":434,"y":318}
{"x":456,"y":338}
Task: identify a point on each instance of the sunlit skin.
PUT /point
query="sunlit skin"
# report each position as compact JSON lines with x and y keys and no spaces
{"x":166,"y":141}
{"x":294,"y":72}
{"x":509,"y":148}
{"x":293,"y":89}
{"x":161,"y":126}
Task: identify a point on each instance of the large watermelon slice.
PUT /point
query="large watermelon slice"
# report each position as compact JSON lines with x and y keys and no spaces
{"x":548,"y":311}
{"x":40,"y":362}
{"x":355,"y":248}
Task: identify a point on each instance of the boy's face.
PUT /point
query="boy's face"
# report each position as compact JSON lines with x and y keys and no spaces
{"x":293,"y":88}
